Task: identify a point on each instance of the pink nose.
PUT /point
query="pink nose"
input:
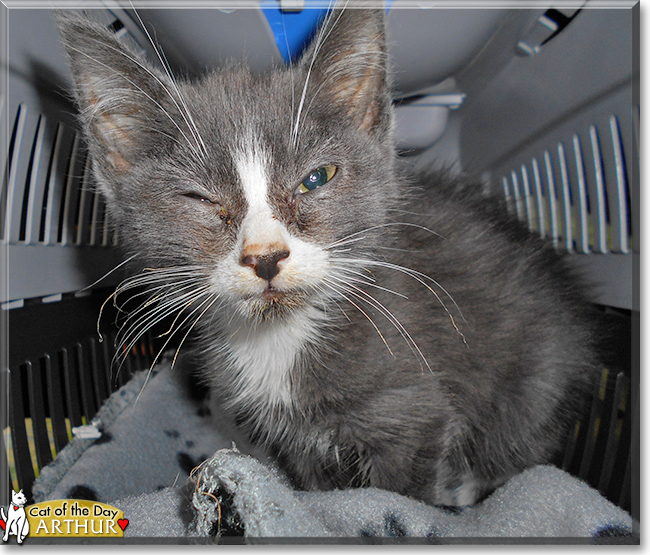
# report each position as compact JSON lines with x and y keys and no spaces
{"x":265,"y":264}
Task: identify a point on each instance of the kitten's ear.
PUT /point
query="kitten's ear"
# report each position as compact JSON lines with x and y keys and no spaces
{"x":346,"y":61}
{"x":119,"y":95}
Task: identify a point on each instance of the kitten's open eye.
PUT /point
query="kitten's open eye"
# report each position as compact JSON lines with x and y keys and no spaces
{"x":316,"y":179}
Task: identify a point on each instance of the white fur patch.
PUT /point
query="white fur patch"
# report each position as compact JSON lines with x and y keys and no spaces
{"x":259,"y":225}
{"x":462,"y":495}
{"x":263,"y":356}
{"x":466,"y":493}
{"x":262,"y":353}
{"x":307,"y":263}
{"x":252,"y":169}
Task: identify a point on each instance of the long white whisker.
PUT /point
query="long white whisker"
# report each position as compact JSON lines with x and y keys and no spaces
{"x":148,"y":292}
{"x":417,"y":275}
{"x":123,"y":263}
{"x":162,"y":349}
{"x":154,"y":101}
{"x":340,"y":290}
{"x":320,"y":40}
{"x":137,"y":329}
{"x":333,"y":75}
{"x":147,"y":317}
{"x":163,"y":273}
{"x":371,"y":301}
{"x":348,"y":270}
{"x":198,"y":318}
{"x":187,"y":116}
{"x":168,"y":290}
{"x":365,"y":281}
{"x":154,"y":276}
{"x":420,"y":277}
{"x":131,"y":283}
{"x":156,"y":285}
{"x":329,"y":297}
{"x":154,"y":130}
{"x":347,"y":238}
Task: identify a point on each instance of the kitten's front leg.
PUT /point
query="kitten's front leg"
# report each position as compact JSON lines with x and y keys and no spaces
{"x":394,"y":441}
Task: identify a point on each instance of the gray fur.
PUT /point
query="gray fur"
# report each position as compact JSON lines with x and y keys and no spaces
{"x":451,"y":347}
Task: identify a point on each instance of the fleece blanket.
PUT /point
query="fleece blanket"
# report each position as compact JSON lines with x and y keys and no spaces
{"x":180,"y":473}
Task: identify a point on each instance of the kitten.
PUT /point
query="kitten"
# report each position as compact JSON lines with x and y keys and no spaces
{"x":366,"y":326}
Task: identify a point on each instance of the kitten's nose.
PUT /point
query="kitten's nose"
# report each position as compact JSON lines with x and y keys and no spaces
{"x":265,"y":264}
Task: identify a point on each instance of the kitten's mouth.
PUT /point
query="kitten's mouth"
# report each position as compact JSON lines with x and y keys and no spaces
{"x":272,"y":294}
{"x":273,"y":303}
{"x":269,"y":294}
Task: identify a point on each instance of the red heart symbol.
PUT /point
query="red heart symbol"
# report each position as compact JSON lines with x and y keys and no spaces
{"x":122,"y":523}
{"x":3,"y":524}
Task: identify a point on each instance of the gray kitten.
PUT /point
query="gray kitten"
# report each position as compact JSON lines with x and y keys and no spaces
{"x":365,"y":326}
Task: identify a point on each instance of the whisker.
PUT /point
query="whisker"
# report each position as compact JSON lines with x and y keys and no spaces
{"x":162,"y":349}
{"x":367,"y":275}
{"x":420,"y":277}
{"x":99,"y":106}
{"x":123,"y":263}
{"x":151,"y":317}
{"x":332,"y":75}
{"x":368,"y":283}
{"x":151,"y":276}
{"x":329,"y":297}
{"x":187,"y":116}
{"x":320,"y":40}
{"x":198,"y":318}
{"x":340,"y":290}
{"x":166,"y":291}
{"x":347,"y":239}
{"x":370,"y":300}
{"x":135,"y":330}
{"x":132,"y":283}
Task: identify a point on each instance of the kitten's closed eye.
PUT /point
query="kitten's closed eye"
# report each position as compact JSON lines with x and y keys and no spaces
{"x":204,"y":199}
{"x":199,"y":197}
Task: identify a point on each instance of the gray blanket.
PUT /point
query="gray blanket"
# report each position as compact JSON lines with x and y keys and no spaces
{"x":167,"y":460}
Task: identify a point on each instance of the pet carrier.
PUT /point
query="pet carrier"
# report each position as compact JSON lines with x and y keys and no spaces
{"x":542,"y":104}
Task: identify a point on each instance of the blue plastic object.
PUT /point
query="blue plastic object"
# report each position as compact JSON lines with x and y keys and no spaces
{"x":292,"y":29}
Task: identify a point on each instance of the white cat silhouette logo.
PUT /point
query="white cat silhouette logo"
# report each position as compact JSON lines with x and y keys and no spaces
{"x":15,"y":522}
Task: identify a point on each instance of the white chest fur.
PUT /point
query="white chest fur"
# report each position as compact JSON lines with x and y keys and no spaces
{"x":263,"y":356}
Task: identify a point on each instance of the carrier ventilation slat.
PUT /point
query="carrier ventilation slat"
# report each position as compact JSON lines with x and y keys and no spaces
{"x":10,"y":176}
{"x":58,"y":392}
{"x":37,"y":411}
{"x":72,"y":393}
{"x":596,"y":181}
{"x":577,"y":192}
{"x":616,"y":423}
{"x":46,"y":196}
{"x":634,"y":200}
{"x":598,"y":448}
{"x":18,"y":425}
{"x":55,"y":400}
{"x":539,"y":196}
